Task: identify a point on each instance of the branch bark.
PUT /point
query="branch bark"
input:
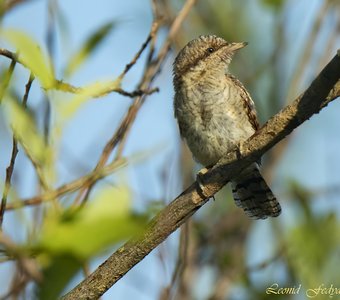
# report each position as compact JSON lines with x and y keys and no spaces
{"x":324,"y":89}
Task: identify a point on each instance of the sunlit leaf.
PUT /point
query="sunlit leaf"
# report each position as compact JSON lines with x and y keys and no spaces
{"x":26,"y":132}
{"x":5,"y":76}
{"x":69,"y":107}
{"x":31,"y":56}
{"x":90,"y":45}
{"x":106,"y":220}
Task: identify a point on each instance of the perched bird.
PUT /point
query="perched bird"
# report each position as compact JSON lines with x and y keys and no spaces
{"x":215,"y":113}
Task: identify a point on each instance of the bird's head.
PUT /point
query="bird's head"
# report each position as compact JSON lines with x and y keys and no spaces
{"x":207,"y":53}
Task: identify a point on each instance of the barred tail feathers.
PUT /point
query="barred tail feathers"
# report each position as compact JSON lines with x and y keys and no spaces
{"x":251,"y":192}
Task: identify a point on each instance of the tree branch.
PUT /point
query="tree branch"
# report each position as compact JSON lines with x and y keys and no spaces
{"x":324,"y":89}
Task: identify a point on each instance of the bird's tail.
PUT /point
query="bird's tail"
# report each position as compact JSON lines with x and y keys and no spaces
{"x":252,"y":193}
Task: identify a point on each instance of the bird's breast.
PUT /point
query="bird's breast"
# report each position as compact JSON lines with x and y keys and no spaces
{"x":211,"y":118}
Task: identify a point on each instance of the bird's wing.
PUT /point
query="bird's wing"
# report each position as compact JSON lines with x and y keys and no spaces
{"x":248,"y":102}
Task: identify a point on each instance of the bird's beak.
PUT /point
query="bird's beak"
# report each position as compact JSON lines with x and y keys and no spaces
{"x":237,"y":46}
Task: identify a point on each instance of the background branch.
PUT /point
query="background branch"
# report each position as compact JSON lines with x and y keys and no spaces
{"x":325,"y":88}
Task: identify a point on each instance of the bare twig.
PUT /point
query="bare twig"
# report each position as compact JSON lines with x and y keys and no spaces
{"x":10,"y":168}
{"x":9,"y":172}
{"x":69,"y":187}
{"x":9,"y":54}
{"x":266,"y":262}
{"x":19,"y":282}
{"x":27,"y":90}
{"x":181,"y":262}
{"x":26,"y":264}
{"x":37,"y":166}
{"x":325,"y":88}
{"x":154,"y":29}
{"x":308,"y":49}
{"x":66,"y":87}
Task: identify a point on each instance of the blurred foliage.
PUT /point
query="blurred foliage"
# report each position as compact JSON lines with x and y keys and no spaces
{"x":71,"y":238}
{"x":31,"y":55}
{"x":83,"y":233}
{"x":313,"y":243}
{"x":311,"y":246}
{"x":68,"y":237}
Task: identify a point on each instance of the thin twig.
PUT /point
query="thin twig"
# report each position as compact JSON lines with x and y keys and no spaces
{"x":10,"y":168}
{"x":37,"y":166}
{"x":9,"y":173}
{"x":19,"y":282}
{"x":153,"y":68}
{"x":69,"y":187}
{"x":181,"y":263}
{"x":154,"y":29}
{"x":27,"y":90}
{"x":9,"y":54}
{"x":69,"y":88}
{"x":119,"y":134}
{"x":26,"y":264}
{"x":266,"y":262}
{"x":305,"y":56}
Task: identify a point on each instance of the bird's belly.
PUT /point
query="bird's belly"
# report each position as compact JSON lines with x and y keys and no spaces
{"x":210,"y":140}
{"x":213,"y":120}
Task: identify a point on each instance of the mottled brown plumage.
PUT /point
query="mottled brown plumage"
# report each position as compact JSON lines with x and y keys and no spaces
{"x":215,"y":112}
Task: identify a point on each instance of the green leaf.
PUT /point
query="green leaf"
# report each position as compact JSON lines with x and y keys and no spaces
{"x":31,"y":56}
{"x":56,"y":277}
{"x":106,"y":220}
{"x":90,"y":45}
{"x":70,"y":106}
{"x":26,"y":132}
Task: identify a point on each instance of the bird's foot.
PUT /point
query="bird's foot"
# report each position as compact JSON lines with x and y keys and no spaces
{"x":199,"y":179}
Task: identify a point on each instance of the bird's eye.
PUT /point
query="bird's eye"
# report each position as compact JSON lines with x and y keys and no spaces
{"x":210,"y":50}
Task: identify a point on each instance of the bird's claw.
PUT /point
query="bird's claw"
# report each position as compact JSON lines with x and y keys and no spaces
{"x":199,"y":180}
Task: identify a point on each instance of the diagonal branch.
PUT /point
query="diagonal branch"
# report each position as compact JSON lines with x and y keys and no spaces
{"x":324,"y":89}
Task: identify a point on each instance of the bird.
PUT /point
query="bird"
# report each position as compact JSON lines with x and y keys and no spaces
{"x":215,"y":113}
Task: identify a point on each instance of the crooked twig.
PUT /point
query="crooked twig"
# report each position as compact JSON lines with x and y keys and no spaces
{"x":69,"y":187}
{"x":10,"y":168}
